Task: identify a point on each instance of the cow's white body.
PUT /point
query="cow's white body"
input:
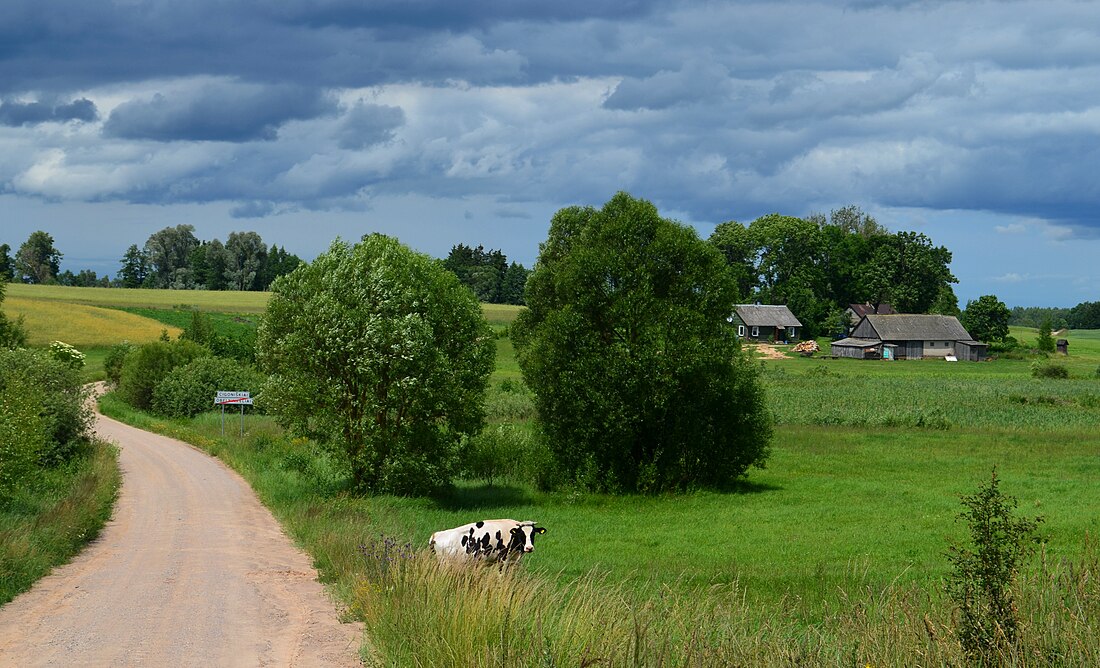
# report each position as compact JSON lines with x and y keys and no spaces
{"x":489,"y":541}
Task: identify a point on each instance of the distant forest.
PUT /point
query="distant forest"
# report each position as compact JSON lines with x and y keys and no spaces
{"x":1085,"y":315}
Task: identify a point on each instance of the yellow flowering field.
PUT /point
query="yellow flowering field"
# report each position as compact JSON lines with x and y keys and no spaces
{"x":81,"y":325}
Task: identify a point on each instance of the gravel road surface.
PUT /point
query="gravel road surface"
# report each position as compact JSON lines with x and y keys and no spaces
{"x":191,"y":571}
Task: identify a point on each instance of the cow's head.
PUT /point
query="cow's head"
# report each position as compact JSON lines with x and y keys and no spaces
{"x":523,"y":537}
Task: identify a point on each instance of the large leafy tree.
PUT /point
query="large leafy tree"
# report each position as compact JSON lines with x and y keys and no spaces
{"x":381,"y":354}
{"x":168,"y":252}
{"x":907,"y":271}
{"x":639,"y":381}
{"x":986,"y":319}
{"x":246,"y":255}
{"x":742,"y":252}
{"x":37,"y":260}
{"x":792,"y":258}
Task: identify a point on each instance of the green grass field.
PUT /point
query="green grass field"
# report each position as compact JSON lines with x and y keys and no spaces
{"x":857,"y":506}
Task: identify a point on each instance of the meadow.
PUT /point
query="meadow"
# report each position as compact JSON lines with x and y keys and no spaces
{"x":833,"y":554}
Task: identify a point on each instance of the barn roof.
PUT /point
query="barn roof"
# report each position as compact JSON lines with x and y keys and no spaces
{"x":856,"y":343}
{"x":767,"y":315}
{"x":909,"y":327}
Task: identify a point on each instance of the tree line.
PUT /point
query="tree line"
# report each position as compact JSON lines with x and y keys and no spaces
{"x":1086,"y":315}
{"x":174,"y":258}
{"x":819,"y":265}
{"x":488,"y":273}
{"x":171,"y":258}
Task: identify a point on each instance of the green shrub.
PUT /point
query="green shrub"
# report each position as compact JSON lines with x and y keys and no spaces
{"x":13,"y":334}
{"x":149,"y":364}
{"x":116,"y":356}
{"x":67,"y":355}
{"x":1048,"y":370}
{"x":22,"y":434}
{"x":189,"y":389}
{"x":984,"y":574}
{"x":1005,"y":345}
{"x":60,"y":395}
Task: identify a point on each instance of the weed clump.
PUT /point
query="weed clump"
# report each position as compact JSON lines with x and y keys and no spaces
{"x":983,"y":576}
{"x":1049,"y":370}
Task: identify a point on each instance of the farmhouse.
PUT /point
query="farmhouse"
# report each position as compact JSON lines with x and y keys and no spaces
{"x":907,"y":336}
{"x":857,"y":311}
{"x":757,"y":322}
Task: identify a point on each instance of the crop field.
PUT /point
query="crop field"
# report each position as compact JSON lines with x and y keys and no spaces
{"x":205,"y":300}
{"x":81,"y":325}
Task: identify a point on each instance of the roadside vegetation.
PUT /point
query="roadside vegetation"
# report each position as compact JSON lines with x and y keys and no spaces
{"x":56,"y":484}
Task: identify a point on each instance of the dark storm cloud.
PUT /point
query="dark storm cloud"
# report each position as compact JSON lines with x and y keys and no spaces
{"x":716,"y":110}
{"x":217,"y":112}
{"x":16,"y":114}
{"x":369,"y":124}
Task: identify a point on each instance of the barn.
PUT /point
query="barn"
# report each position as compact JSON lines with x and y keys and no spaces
{"x":913,"y":336}
{"x":758,"y":322}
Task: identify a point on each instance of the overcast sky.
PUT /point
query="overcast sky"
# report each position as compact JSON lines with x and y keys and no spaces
{"x":444,"y":122}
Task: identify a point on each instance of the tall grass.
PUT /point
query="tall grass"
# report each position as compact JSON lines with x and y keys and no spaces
{"x":839,"y":395}
{"x":419,"y":612}
{"x":46,"y":524}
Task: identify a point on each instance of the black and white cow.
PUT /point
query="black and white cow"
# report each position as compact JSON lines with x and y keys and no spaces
{"x":489,"y":541}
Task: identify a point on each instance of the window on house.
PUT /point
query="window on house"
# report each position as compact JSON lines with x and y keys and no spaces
{"x":741,"y":330}
{"x":790,"y":332}
{"x":755,"y":330}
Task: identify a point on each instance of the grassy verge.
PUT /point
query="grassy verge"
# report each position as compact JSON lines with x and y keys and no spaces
{"x":46,"y":526}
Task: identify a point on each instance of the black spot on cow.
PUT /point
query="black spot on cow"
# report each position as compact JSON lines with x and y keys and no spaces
{"x":479,"y":524}
{"x":485,"y":542}
{"x":464,"y":539}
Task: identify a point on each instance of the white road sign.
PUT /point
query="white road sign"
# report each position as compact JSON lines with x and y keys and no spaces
{"x":233,"y":399}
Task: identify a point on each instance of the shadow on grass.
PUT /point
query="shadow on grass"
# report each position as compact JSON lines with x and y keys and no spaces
{"x":748,"y":487}
{"x":482,"y":497}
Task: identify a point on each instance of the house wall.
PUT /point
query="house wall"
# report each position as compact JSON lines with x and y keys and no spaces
{"x":939,"y":348}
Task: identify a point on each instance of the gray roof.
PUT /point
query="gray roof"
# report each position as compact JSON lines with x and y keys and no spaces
{"x":909,"y":327}
{"x":767,"y":316}
{"x":856,"y":343}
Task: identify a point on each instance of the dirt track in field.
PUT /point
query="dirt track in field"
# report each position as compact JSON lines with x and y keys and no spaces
{"x":191,"y":571}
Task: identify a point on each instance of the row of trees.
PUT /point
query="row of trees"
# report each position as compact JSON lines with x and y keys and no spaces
{"x":175,"y":258}
{"x":488,"y":274}
{"x":817,"y":266}
{"x":171,"y":258}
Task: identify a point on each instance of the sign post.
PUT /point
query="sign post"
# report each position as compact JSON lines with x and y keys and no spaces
{"x":223,"y":399}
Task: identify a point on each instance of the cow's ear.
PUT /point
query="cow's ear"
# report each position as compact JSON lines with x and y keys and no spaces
{"x":540,"y":530}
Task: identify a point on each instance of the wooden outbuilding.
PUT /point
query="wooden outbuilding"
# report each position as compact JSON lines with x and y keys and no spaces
{"x":1063,"y":346}
{"x":917,"y":337}
{"x":757,"y":322}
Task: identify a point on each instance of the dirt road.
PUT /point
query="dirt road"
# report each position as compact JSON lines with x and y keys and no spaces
{"x":190,"y":571}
